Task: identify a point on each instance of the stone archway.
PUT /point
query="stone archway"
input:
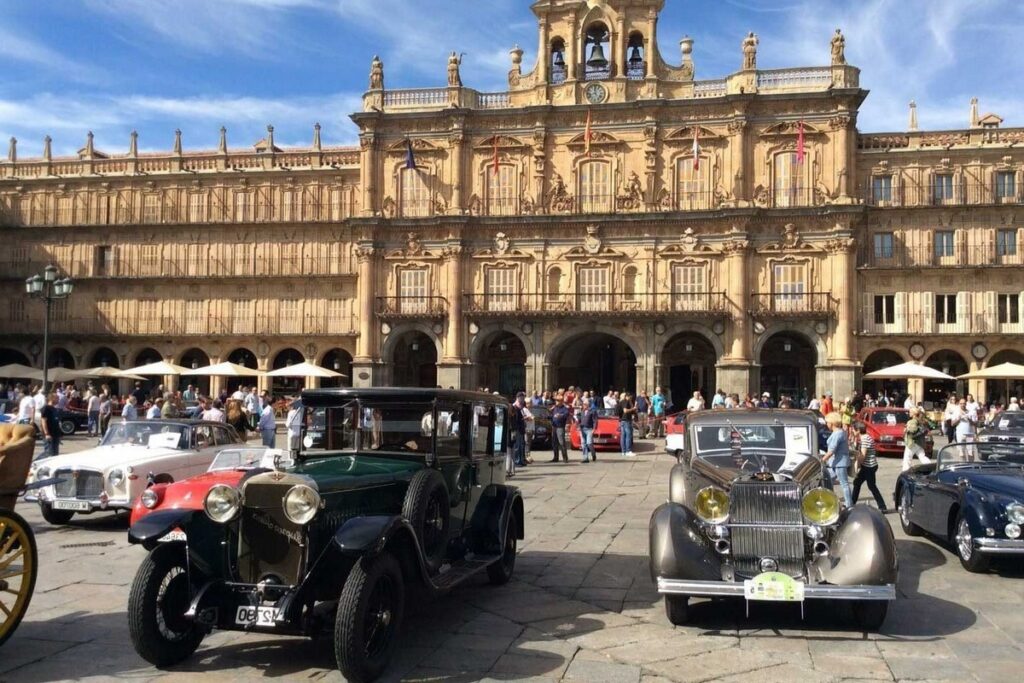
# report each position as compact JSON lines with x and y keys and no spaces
{"x":413,"y":359}
{"x":593,"y":360}
{"x":338,"y":360}
{"x":788,"y":366}
{"x":894,"y":389}
{"x":688,"y":364}
{"x":9,"y":356}
{"x":1002,"y":389}
{"x":286,"y":386}
{"x":937,"y":391}
{"x":61,"y":358}
{"x":145,"y":357}
{"x":499,"y":360}
{"x":104,"y":357}
{"x":193,"y":359}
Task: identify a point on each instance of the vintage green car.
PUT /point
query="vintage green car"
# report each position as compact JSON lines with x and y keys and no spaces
{"x":392,"y":487}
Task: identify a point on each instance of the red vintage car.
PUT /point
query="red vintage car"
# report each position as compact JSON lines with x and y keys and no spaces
{"x":606,"y":434}
{"x":886,"y":426}
{"x":229,"y":467}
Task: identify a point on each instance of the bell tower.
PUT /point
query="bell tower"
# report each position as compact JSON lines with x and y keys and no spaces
{"x":595,"y":51}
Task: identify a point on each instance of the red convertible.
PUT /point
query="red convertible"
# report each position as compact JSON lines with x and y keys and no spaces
{"x":229,"y":467}
{"x":885,"y":426}
{"x":606,"y":434}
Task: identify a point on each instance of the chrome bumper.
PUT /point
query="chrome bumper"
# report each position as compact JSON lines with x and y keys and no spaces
{"x":723,"y":589}
{"x":95,"y":504}
{"x":999,"y":546}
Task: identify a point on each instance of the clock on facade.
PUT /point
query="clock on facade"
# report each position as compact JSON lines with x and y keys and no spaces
{"x":979,"y":351}
{"x":596,"y":93}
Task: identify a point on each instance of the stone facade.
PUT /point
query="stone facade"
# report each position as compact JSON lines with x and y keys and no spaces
{"x":609,"y":220}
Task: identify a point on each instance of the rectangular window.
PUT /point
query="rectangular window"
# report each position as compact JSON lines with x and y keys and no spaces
{"x":195,"y":317}
{"x":104,"y":263}
{"x":1006,"y":185}
{"x":883,"y":245}
{"x":943,"y":243}
{"x":197,"y":207}
{"x":1006,"y":242}
{"x":688,"y":288}
{"x":595,"y":187}
{"x":149,"y":259}
{"x":481,"y":437}
{"x":501,"y":289}
{"x":942,"y":188}
{"x":151,"y":209}
{"x":692,"y":191}
{"x":945,"y":309}
{"x":336,"y":318}
{"x":413,"y":291}
{"x":593,"y":289}
{"x":290,"y":320}
{"x":242,"y":316}
{"x":501,"y":190}
{"x":242,"y":207}
{"x":885,"y":309}
{"x":415,"y":193}
{"x":1009,"y":309}
{"x":787,"y":180}
{"x":64,"y":211}
{"x":881,"y":189}
{"x":16,"y":310}
{"x":148,"y":321}
{"x":789,"y":287}
{"x":59,"y":310}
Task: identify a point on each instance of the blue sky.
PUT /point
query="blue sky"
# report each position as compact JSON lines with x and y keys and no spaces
{"x":69,"y":66}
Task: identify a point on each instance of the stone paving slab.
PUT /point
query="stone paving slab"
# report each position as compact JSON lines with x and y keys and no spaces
{"x":580,"y":608}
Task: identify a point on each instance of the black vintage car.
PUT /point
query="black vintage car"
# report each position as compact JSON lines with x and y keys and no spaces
{"x":392,"y":487}
{"x":1005,"y":432}
{"x":750,"y":516}
{"x":540,"y":430}
{"x":972,"y":496}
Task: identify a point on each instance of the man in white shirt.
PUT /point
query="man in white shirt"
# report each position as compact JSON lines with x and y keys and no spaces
{"x":130,"y":411}
{"x":293,"y":422}
{"x":239,"y":394}
{"x":26,"y":409}
{"x":814,"y":404}
{"x":154,"y":410}
{"x":1014,"y":404}
{"x":40,"y":400}
{"x":253,"y":407}
{"x":214,"y":412}
{"x":696,"y":403}
{"x":92,"y":408}
{"x":610,"y":401}
{"x":909,"y":404}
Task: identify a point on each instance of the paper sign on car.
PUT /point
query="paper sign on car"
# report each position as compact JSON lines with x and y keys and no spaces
{"x":774,"y":587}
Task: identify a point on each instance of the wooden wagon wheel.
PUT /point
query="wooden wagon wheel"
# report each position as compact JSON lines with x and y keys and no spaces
{"x":18,"y":569}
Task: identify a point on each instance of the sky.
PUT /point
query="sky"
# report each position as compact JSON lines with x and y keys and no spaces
{"x":113,"y":66}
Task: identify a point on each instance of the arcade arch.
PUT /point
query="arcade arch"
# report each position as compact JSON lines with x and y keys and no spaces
{"x":936,"y":391}
{"x":338,"y":360}
{"x":788,"y":366}
{"x":688,"y":363}
{"x":499,"y":360}
{"x":879,"y":360}
{"x":594,"y":360}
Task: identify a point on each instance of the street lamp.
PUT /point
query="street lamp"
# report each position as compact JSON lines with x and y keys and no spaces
{"x":48,"y":288}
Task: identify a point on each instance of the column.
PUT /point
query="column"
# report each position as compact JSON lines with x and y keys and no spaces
{"x":734,"y":370}
{"x":738,"y":128}
{"x":368,"y":173}
{"x":843,"y":153}
{"x":543,"y":52}
{"x":450,"y":366}
{"x":843,"y":276}
{"x":617,"y":43}
{"x":362,"y":363}
{"x":457,"y":142}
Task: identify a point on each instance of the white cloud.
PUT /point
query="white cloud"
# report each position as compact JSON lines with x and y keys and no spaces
{"x":19,"y":46}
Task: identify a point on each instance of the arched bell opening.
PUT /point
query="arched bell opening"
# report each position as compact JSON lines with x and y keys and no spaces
{"x":596,"y":44}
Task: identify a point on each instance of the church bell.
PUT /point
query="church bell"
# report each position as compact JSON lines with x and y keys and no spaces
{"x":559,"y":60}
{"x":597,"y":59}
{"x":635,"y":59}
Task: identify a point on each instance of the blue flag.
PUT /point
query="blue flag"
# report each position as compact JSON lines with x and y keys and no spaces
{"x":410,"y":157}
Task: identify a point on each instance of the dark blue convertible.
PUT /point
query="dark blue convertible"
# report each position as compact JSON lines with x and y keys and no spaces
{"x":972,"y":496}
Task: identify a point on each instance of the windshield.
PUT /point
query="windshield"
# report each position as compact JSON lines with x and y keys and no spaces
{"x":152,"y":435}
{"x":542,"y":413}
{"x":249,"y":458}
{"x":890,"y":417}
{"x":783,"y":447}
{"x":392,"y":427}
{"x":980,"y":455}
{"x":606,"y":412}
{"x":1008,"y":421}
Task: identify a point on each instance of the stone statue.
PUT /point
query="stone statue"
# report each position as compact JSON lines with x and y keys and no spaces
{"x":838,"y":49}
{"x":376,"y":74}
{"x":561,"y":200}
{"x":633,"y":198}
{"x":750,"y":51}
{"x":454,"y":79}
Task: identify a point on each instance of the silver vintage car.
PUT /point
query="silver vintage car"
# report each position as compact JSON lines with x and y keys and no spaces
{"x":751,"y":514}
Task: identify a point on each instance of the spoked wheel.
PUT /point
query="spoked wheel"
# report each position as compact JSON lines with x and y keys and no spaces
{"x":427,"y":507}
{"x":971,"y":559}
{"x":18,"y":569}
{"x":909,"y":528}
{"x":501,"y":571}
{"x":160,"y":596}
{"x":369,"y":616}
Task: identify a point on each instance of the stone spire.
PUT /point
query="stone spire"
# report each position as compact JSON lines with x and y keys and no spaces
{"x":222,"y":146}
{"x":90,"y":151}
{"x":975,"y":118}
{"x":133,"y":145}
{"x":316,"y":136}
{"x":12,"y":150}
{"x":270,"y":138}
{"x":177,"y":142}
{"x":47,"y":143}
{"x":912,"y":126}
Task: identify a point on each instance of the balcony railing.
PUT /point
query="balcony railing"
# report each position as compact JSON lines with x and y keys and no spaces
{"x":430,"y":307}
{"x":923,"y":256}
{"x":240,"y":265}
{"x":650,"y":304}
{"x":211,"y":326}
{"x":793,"y":305}
{"x":919,"y":323}
{"x":959,"y":194}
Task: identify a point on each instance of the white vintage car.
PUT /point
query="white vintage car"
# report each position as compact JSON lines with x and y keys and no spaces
{"x":131,"y":456}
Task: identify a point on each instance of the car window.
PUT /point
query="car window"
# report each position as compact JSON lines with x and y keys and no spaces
{"x":394,"y":427}
{"x":890,"y":417}
{"x":204,"y":436}
{"x":223,"y":436}
{"x":482,"y":419}
{"x":1008,"y":421}
{"x":448,"y":429}
{"x":140,"y":433}
{"x":542,"y":413}
{"x":499,"y":429}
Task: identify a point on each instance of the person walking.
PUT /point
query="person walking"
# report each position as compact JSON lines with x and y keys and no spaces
{"x":267,"y":425}
{"x":92,"y":409}
{"x":964,"y":421}
{"x":588,"y":423}
{"x":658,"y":412}
{"x":27,"y":409}
{"x":106,"y":410}
{"x":914,"y":433}
{"x":50,"y":420}
{"x":293,"y":423}
{"x":868,"y":462}
{"x":837,"y":457}
{"x":518,"y":424}
{"x":626,"y":410}
{"x":559,"y":422}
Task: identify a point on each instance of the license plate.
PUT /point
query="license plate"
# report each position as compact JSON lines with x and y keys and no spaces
{"x":172,"y":536}
{"x":75,"y":505}
{"x":256,"y":616}
{"x":899,"y":443}
{"x":773,"y":587}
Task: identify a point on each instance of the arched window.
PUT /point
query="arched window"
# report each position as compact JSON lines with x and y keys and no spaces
{"x":559,"y":71}
{"x":415,"y":193}
{"x":631,"y":284}
{"x":595,"y":187}
{"x":636,"y":59}
{"x":501,"y":190}
{"x":786,"y":180}
{"x":692,"y":184}
{"x":554,"y":284}
{"x":595,"y":51}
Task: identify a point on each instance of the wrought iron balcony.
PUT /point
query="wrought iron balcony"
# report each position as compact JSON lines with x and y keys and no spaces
{"x":618,"y":304}
{"x":412,"y":307}
{"x":919,"y":324}
{"x":793,"y":305}
{"x":942,"y":194}
{"x":930,"y":256}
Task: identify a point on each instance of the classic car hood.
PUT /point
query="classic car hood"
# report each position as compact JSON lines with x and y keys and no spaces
{"x":105,"y":457}
{"x":895,"y":430}
{"x":1004,"y":482}
{"x":607,"y":424}
{"x":356,"y":471}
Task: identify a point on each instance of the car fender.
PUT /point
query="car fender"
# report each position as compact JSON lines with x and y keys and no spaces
{"x":154,"y":526}
{"x":368,"y":536}
{"x":862,"y":551}
{"x":491,"y":517}
{"x":678,"y":547}
{"x":677,"y":484}
{"x":976,"y":509}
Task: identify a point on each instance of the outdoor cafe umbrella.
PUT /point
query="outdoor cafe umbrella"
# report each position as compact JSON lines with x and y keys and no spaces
{"x":223,"y":370}
{"x":1001,"y":371}
{"x":158,"y":368}
{"x":908,"y":371}
{"x":19,"y":371}
{"x":104,"y":371}
{"x":305,"y":370}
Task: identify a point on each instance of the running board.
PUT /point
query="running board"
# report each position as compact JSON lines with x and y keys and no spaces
{"x":454,"y":574}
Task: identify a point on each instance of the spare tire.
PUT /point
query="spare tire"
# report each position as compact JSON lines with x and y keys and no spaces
{"x":427,"y":508}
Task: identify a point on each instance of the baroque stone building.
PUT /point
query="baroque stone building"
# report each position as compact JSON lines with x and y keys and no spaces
{"x":608,"y":220}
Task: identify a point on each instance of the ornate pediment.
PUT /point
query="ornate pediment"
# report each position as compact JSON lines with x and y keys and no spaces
{"x":684,"y":135}
{"x":593,"y":246}
{"x":689,"y":243}
{"x":504,"y":142}
{"x":502,"y":248}
{"x":790,"y":128}
{"x":597,"y":137}
{"x":791,"y":242}
{"x":418,"y":145}
{"x":413,"y":249}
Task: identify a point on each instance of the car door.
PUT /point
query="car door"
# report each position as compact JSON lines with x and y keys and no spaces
{"x":450,"y":447}
{"x":204,"y":448}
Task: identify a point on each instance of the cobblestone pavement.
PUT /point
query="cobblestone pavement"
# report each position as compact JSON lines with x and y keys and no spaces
{"x":581,"y":608}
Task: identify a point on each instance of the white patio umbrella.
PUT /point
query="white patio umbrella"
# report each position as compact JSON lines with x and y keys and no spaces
{"x":159,"y":368}
{"x":223,"y":370}
{"x":61,"y":375}
{"x":1001,"y":371}
{"x":19,"y":371}
{"x":305,"y":370}
{"x":908,"y":371}
{"x":104,"y":371}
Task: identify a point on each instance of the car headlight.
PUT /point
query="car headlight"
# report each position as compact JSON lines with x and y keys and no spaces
{"x":115,"y":477}
{"x":301,"y":503}
{"x":222,"y":503}
{"x":150,"y":499}
{"x":820,"y":506}
{"x":1015,"y":513}
{"x":712,"y":505}
{"x":42,"y":473}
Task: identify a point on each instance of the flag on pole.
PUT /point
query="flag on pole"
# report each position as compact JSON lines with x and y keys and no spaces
{"x":588,"y":136}
{"x":800,"y":151}
{"x":495,"y":155}
{"x":410,"y":156}
{"x":696,"y":149}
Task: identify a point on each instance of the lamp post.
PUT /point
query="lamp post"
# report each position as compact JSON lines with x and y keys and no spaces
{"x":48,"y":288}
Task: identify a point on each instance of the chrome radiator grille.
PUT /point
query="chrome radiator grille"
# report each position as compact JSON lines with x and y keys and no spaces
{"x":766,"y":522}
{"x":83,"y":484}
{"x":270,"y":544}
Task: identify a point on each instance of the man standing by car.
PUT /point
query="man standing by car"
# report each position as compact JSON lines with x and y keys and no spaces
{"x":267,"y":424}
{"x":643,"y":411}
{"x":26,"y":409}
{"x":588,"y":423}
{"x":519,"y":413}
{"x":559,"y":421}
{"x":913,"y":439}
{"x":253,"y":407}
{"x":50,"y":420}
{"x":92,"y":408}
{"x":626,"y":410}
{"x":658,"y":412}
